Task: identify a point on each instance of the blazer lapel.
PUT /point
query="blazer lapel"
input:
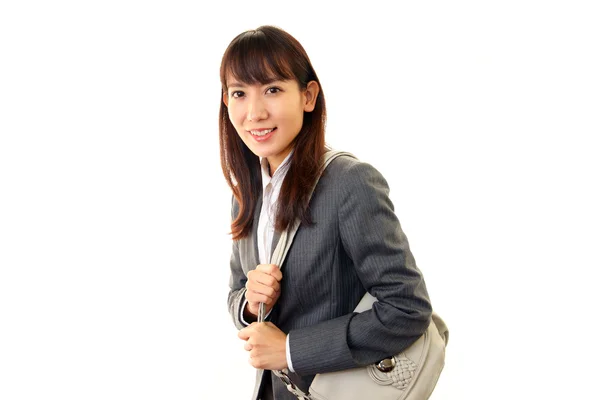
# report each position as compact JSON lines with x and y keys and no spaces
{"x":276,"y":236}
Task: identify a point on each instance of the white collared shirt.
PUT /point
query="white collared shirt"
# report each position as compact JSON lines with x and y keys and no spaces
{"x":266,"y":223}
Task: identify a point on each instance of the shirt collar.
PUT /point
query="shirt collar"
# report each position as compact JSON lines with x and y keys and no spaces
{"x":279,"y":173}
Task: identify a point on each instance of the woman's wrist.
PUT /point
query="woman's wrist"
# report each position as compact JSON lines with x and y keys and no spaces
{"x":250,"y":315}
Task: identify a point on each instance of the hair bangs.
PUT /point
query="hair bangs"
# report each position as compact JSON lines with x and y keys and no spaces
{"x":254,"y":59}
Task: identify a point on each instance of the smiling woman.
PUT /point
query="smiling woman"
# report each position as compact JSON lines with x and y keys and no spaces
{"x":349,"y":242}
{"x":268,"y":82}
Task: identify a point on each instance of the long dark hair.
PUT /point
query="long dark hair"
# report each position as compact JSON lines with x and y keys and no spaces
{"x":256,"y":57}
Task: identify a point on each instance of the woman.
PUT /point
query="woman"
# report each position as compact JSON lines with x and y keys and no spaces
{"x":272,"y":140}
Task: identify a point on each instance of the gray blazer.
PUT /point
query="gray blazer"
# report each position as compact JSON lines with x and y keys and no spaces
{"x":355,"y":244}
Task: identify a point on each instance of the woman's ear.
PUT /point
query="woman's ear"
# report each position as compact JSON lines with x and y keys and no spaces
{"x":310,"y":95}
{"x":225,"y":98}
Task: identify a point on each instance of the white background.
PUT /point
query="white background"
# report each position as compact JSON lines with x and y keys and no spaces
{"x":483,"y":117}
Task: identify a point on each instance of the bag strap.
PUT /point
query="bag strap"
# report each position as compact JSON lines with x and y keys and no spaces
{"x":285,"y":241}
{"x":277,"y":258}
{"x":287,"y":236}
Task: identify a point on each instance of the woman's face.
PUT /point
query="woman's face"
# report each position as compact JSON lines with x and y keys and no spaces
{"x":269,"y":117}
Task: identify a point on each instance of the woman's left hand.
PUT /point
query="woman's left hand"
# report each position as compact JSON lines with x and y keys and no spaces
{"x":266,"y":344}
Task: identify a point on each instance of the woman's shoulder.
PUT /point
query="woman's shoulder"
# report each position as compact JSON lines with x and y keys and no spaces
{"x":348,"y":167}
{"x":347,"y":174}
{"x":341,"y":163}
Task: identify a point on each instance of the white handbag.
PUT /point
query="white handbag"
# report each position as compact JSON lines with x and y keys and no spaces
{"x":409,"y":375}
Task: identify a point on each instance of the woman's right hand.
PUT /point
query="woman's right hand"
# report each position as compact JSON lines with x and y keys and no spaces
{"x":262,"y":286}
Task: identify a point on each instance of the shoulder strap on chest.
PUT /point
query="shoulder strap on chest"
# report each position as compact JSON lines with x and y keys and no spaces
{"x":286,"y":238}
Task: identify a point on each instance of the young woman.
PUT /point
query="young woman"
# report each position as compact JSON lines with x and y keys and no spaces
{"x":272,"y":140}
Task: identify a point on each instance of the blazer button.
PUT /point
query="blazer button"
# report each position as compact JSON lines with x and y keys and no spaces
{"x":386,"y":365}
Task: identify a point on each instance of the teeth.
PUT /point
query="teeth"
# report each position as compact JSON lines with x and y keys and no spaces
{"x":261,"y":133}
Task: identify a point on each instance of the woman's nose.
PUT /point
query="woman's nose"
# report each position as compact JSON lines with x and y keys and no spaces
{"x":256,"y":110}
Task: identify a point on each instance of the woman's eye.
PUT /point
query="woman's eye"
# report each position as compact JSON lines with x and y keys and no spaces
{"x":237,"y":93}
{"x":273,"y":90}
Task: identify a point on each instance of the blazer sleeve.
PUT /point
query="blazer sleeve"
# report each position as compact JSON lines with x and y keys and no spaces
{"x":237,"y":280}
{"x":372,"y":237}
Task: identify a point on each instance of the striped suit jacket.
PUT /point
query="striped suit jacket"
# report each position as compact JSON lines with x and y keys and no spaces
{"x":355,"y":244}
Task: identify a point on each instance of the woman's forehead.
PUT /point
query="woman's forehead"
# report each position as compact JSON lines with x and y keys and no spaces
{"x":256,"y":70}
{"x":232,"y":80}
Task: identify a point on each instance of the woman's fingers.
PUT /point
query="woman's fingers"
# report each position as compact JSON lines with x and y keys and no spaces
{"x":263,"y":286}
{"x":264,"y":277}
{"x":262,"y":283}
{"x":254,"y":297}
{"x":271,"y":270}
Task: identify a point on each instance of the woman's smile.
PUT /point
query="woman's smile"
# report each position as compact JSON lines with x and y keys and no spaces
{"x":261,"y":135}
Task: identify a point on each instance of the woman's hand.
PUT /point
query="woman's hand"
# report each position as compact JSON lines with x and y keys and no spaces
{"x":262,"y":286}
{"x":266,"y":344}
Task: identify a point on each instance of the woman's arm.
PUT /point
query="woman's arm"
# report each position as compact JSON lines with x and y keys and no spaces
{"x":372,"y":237}
{"x":237,"y":278}
{"x":237,"y":288}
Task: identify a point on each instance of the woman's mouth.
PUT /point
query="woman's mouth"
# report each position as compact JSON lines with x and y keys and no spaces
{"x":260,"y":135}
